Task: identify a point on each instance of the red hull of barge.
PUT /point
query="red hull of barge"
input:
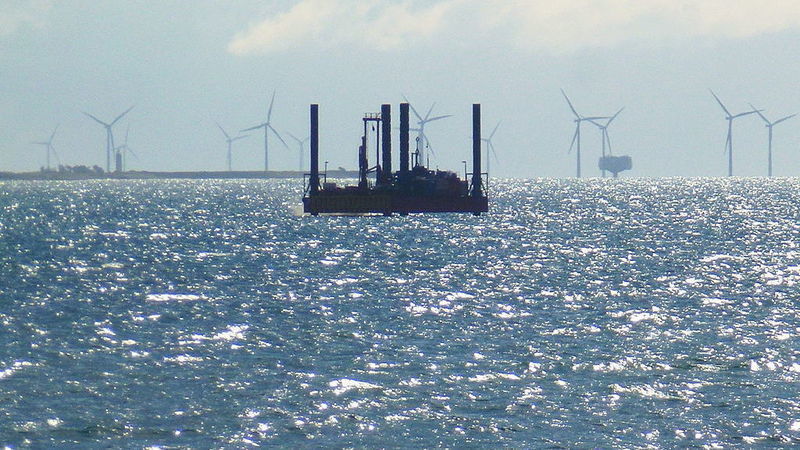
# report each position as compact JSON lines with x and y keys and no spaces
{"x":389,"y":204}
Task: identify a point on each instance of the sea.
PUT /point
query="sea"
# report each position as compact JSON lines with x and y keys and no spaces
{"x":629,"y":313}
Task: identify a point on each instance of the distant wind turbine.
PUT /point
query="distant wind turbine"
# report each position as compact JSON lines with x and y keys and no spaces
{"x":300,"y":143}
{"x":576,"y":138}
{"x":604,"y":133}
{"x":267,"y":126}
{"x":422,"y":139}
{"x":230,"y":141}
{"x":729,"y":141}
{"x":125,"y":148}
{"x":109,"y":135}
{"x":769,"y":125}
{"x":48,"y":148}
{"x":490,"y":148}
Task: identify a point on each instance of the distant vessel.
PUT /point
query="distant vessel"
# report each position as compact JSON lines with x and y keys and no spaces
{"x":412,"y":189}
{"x":615,"y":164}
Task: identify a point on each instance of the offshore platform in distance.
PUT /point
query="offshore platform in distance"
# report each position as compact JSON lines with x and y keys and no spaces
{"x":412,"y":189}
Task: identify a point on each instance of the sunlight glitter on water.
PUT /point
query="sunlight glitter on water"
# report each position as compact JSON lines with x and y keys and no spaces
{"x":591,"y":313}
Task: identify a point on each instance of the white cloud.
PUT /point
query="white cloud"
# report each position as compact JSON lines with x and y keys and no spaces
{"x":573,"y":24}
{"x":16,"y":13}
{"x":552,"y":26}
{"x":381,"y":24}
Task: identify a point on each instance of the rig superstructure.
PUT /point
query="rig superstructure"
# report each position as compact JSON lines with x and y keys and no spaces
{"x":412,"y":189}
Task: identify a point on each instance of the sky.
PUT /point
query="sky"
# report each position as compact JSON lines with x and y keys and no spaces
{"x":189,"y":64}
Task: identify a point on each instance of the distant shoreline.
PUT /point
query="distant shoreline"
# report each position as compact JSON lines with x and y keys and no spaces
{"x":146,"y":175}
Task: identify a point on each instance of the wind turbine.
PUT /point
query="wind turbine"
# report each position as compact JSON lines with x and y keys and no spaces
{"x":490,"y":147}
{"x":576,"y":138}
{"x":230,"y":141}
{"x":604,"y":133}
{"x":422,"y":139}
{"x":769,"y":125}
{"x":125,"y":148}
{"x":109,"y":135}
{"x":267,"y":127}
{"x":729,"y":141}
{"x":48,"y":145}
{"x":300,"y":143}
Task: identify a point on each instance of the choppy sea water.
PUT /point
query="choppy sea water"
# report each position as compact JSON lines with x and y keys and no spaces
{"x":599,"y":313}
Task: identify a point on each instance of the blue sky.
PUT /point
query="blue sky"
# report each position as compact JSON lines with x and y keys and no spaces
{"x":188,"y":64}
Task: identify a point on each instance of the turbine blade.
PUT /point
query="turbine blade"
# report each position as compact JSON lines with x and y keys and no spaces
{"x":594,"y":118}
{"x":570,"y":104}
{"x":271,"y":102}
{"x":781,"y":120}
{"x":132,"y":153}
{"x":414,"y":110}
{"x":96,"y":119}
{"x":437,"y":118}
{"x":720,"y":102}
{"x":727,"y":143}
{"x":758,"y":111}
{"x":120,"y":116}
{"x":223,"y":130}
{"x":429,"y":112}
{"x":240,"y":137}
{"x":608,"y":139}
{"x":54,"y":133}
{"x":294,"y":137}
{"x":743,"y":114}
{"x":429,"y":146}
{"x":491,"y":135}
{"x":494,"y":153}
{"x":278,"y":134}
{"x":263,"y":125}
{"x":574,"y":138}
{"x":597,"y":124}
{"x":614,"y":116}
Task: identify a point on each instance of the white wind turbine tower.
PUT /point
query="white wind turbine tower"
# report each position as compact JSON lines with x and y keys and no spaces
{"x":604,"y":133}
{"x":109,"y":135}
{"x":576,"y":138}
{"x":267,"y":126}
{"x":422,"y":139}
{"x":490,"y":148}
{"x":230,"y":141}
{"x":48,"y":148}
{"x":769,"y":126}
{"x":729,"y":141}
{"x":300,"y":143}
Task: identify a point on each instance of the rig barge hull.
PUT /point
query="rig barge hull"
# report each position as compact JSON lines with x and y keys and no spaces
{"x":387,"y":204}
{"x":409,"y":190}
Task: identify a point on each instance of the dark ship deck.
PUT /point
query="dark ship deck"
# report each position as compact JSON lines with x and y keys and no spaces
{"x":414,"y":189}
